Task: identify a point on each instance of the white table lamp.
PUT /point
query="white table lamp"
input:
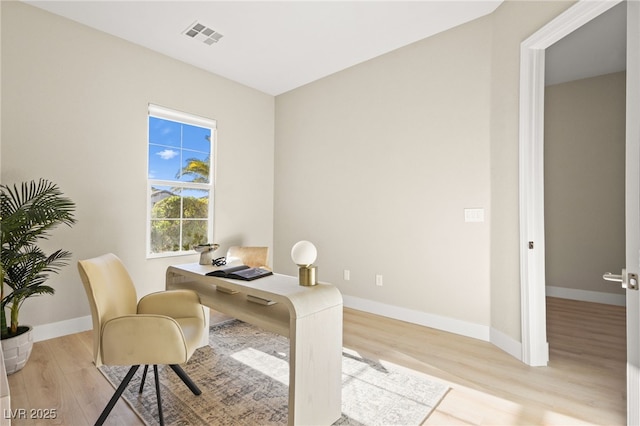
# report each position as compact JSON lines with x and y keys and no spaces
{"x":304,"y":254}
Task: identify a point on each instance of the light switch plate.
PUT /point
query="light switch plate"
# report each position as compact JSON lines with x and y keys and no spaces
{"x":474,"y":215}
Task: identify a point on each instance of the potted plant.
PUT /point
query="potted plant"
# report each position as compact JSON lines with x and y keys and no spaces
{"x":28,"y":213}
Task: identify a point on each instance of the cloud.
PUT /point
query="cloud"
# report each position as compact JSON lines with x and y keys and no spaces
{"x":167,"y":154}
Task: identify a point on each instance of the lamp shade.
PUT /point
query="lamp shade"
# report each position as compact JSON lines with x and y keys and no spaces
{"x":304,"y":253}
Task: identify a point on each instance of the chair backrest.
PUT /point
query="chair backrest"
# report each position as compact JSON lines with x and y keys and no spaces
{"x":253,"y":257}
{"x":110,"y":291}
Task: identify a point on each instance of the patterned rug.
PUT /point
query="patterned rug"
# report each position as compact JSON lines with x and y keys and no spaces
{"x":244,"y":376}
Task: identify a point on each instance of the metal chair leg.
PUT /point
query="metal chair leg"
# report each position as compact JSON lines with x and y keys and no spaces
{"x":155,"y":376}
{"x":186,"y":379}
{"x":123,"y":385}
{"x":116,"y":395}
{"x":144,"y":377}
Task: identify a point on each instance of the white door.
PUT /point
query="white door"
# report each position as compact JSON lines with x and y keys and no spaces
{"x":629,"y":275}
{"x":632,"y":207}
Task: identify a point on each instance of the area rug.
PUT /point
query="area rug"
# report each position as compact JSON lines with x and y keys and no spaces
{"x":244,"y":376}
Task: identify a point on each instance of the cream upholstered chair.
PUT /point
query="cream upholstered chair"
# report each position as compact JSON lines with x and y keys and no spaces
{"x":162,"y":328}
{"x":254,"y":257}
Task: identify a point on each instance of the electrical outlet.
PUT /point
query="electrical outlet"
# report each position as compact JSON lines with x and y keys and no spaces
{"x":379,"y":280}
{"x":346,"y":275}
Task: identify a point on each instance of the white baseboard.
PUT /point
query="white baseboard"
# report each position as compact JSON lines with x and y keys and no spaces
{"x":61,"y":328}
{"x":586,"y":295}
{"x":438,"y":322}
{"x":463,"y":328}
{"x":506,"y":343}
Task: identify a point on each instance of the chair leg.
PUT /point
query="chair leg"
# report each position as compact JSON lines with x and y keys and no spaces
{"x":144,"y":377}
{"x":155,"y":376}
{"x":116,"y":395}
{"x":186,"y":379}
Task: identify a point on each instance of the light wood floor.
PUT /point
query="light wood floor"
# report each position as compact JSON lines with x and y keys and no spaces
{"x":583,"y":384}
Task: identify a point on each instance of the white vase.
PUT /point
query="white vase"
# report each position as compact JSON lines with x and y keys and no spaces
{"x":16,"y":350}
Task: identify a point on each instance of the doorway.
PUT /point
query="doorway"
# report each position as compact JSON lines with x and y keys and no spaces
{"x":584,"y":221}
{"x":535,"y":349}
{"x":584,"y":200}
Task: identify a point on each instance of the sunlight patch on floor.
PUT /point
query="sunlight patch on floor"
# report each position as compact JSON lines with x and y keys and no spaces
{"x":272,"y":366}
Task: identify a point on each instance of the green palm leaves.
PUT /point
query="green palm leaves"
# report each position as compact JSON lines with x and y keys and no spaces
{"x":28,"y":213}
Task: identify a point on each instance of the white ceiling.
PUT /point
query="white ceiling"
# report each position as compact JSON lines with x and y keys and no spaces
{"x":276,"y":46}
{"x":273,"y":46}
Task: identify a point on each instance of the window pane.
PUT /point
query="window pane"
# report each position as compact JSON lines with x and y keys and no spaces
{"x":194,"y":232}
{"x":165,"y":203}
{"x":165,"y":236}
{"x":196,"y":167}
{"x":164,"y":132}
{"x":196,"y":138}
{"x":195,"y":204}
{"x":164,"y":162}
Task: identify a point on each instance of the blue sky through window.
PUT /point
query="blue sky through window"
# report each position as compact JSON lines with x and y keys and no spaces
{"x":172,"y":145}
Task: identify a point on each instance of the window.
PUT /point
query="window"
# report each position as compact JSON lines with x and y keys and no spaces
{"x":180,"y":181}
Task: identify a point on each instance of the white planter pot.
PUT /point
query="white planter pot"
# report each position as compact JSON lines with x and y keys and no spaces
{"x":16,"y":350}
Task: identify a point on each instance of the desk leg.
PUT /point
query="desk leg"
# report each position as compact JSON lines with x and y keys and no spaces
{"x":315,"y":371}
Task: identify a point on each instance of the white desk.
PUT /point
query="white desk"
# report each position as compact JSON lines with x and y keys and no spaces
{"x":311,"y":317}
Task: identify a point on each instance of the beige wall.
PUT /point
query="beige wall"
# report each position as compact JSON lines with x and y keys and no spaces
{"x":376,"y":164}
{"x":74,"y":105}
{"x":584,"y":182}
{"x":0,"y":89}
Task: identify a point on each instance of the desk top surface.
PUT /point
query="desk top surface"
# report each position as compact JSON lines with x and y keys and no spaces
{"x":277,"y":287}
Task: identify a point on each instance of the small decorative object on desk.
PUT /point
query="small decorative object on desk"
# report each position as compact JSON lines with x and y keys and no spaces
{"x":205,"y":251}
{"x":219,"y":261}
{"x":304,"y":254}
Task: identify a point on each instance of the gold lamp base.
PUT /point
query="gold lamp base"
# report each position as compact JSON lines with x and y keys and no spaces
{"x":307,"y":275}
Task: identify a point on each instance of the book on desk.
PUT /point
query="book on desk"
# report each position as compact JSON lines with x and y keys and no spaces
{"x":240,"y":272}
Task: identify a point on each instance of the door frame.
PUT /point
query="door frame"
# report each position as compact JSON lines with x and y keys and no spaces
{"x":535,"y":349}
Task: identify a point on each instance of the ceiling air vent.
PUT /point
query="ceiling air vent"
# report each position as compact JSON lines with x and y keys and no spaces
{"x":202,"y":33}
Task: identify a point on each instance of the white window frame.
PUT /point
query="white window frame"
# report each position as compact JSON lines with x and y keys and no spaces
{"x":185,"y":118}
